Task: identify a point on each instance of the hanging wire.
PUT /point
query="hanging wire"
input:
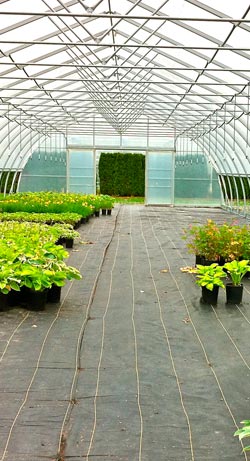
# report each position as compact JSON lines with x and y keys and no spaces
{"x":39,"y":144}
{"x":56,"y":146}
{"x":50,"y":144}
{"x":45,"y":144}
{"x":216,"y":135}
{"x":224,"y":132}
{"x":31,"y":138}
{"x":187,"y":149}
{"x":181,"y":146}
{"x":247,"y":137}
{"x":234,"y":129}
{"x":20,"y":131}
{"x":197,"y":148}
{"x":9,"y":140}
{"x":192,"y":147}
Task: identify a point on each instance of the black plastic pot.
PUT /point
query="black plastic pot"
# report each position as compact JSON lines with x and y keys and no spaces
{"x":208,"y":262}
{"x":109,"y":211}
{"x":17,"y":298}
{"x":199,"y":259}
{"x":54,"y":294}
{"x":60,"y":241}
{"x":69,"y":242}
{"x":234,"y":293}
{"x":36,"y":300}
{"x":3,"y":301}
{"x":97,"y":213}
{"x":104,"y":211}
{"x":209,"y":296}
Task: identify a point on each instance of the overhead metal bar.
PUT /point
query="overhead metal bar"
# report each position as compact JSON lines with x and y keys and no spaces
{"x":120,"y":45}
{"x":160,"y":17}
{"x":103,"y":66}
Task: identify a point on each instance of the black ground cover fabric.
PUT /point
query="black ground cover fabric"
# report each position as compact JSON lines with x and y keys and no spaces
{"x":130,"y":366}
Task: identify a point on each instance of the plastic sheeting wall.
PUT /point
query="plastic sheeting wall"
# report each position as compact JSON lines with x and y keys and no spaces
{"x":196,"y":183}
{"x":44,"y":171}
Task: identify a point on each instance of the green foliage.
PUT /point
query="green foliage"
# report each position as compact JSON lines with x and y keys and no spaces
{"x":244,"y":432}
{"x":210,"y":276}
{"x":29,"y":257}
{"x":122,"y":174}
{"x":237,"y":270}
{"x":212,"y":241}
{"x":70,"y":206}
{"x":65,"y":231}
{"x":43,"y":218}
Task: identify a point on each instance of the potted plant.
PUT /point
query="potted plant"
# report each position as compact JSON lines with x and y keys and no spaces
{"x":234,"y":289}
{"x":209,"y":278}
{"x":244,"y":432}
{"x":204,"y":242}
{"x":106,"y":204}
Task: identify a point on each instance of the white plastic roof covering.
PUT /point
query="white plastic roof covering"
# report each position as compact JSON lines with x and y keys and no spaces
{"x":180,"y":65}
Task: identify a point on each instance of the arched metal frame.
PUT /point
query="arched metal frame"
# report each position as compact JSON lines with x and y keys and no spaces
{"x":116,"y":68}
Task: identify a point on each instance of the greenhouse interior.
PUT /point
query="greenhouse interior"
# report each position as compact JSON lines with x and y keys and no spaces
{"x":124,"y":206}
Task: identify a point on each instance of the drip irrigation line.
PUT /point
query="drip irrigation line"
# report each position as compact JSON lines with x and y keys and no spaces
{"x":79,"y":344}
{"x":31,"y":381}
{"x":103,"y":335}
{"x":135,"y":342}
{"x":199,"y":338}
{"x":77,"y":356}
{"x":168,"y":341}
{"x":12,"y":335}
{"x":243,"y":315}
{"x":230,"y":337}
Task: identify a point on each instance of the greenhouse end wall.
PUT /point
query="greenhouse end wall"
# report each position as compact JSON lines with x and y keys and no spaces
{"x":195,"y":181}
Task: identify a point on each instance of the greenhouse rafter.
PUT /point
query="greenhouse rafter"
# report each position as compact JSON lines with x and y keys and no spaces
{"x":101,"y":69}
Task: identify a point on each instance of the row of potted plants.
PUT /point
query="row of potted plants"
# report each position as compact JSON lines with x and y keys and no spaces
{"x":31,"y":262}
{"x":210,"y":279}
{"x":56,"y":202}
{"x":214,"y":242}
{"x":44,"y":218}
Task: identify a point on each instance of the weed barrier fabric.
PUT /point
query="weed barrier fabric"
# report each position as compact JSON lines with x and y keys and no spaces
{"x":130,"y":366}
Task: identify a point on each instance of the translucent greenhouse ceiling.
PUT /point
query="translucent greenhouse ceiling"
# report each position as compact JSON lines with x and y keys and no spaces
{"x":126,"y":69}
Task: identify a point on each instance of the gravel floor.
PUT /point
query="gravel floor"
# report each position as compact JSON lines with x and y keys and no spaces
{"x":130,"y":366}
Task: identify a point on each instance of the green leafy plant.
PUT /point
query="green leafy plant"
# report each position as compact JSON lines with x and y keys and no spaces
{"x":209,"y":276}
{"x":213,"y":241}
{"x":8,"y":279}
{"x":106,"y":202}
{"x":29,"y":257}
{"x":65,"y":231}
{"x":244,"y":432}
{"x":237,"y":270}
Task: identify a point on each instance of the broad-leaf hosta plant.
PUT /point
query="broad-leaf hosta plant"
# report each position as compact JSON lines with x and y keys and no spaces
{"x":244,"y":432}
{"x":209,"y":276}
{"x":237,"y":270}
{"x":29,"y":257}
{"x":42,"y":218}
